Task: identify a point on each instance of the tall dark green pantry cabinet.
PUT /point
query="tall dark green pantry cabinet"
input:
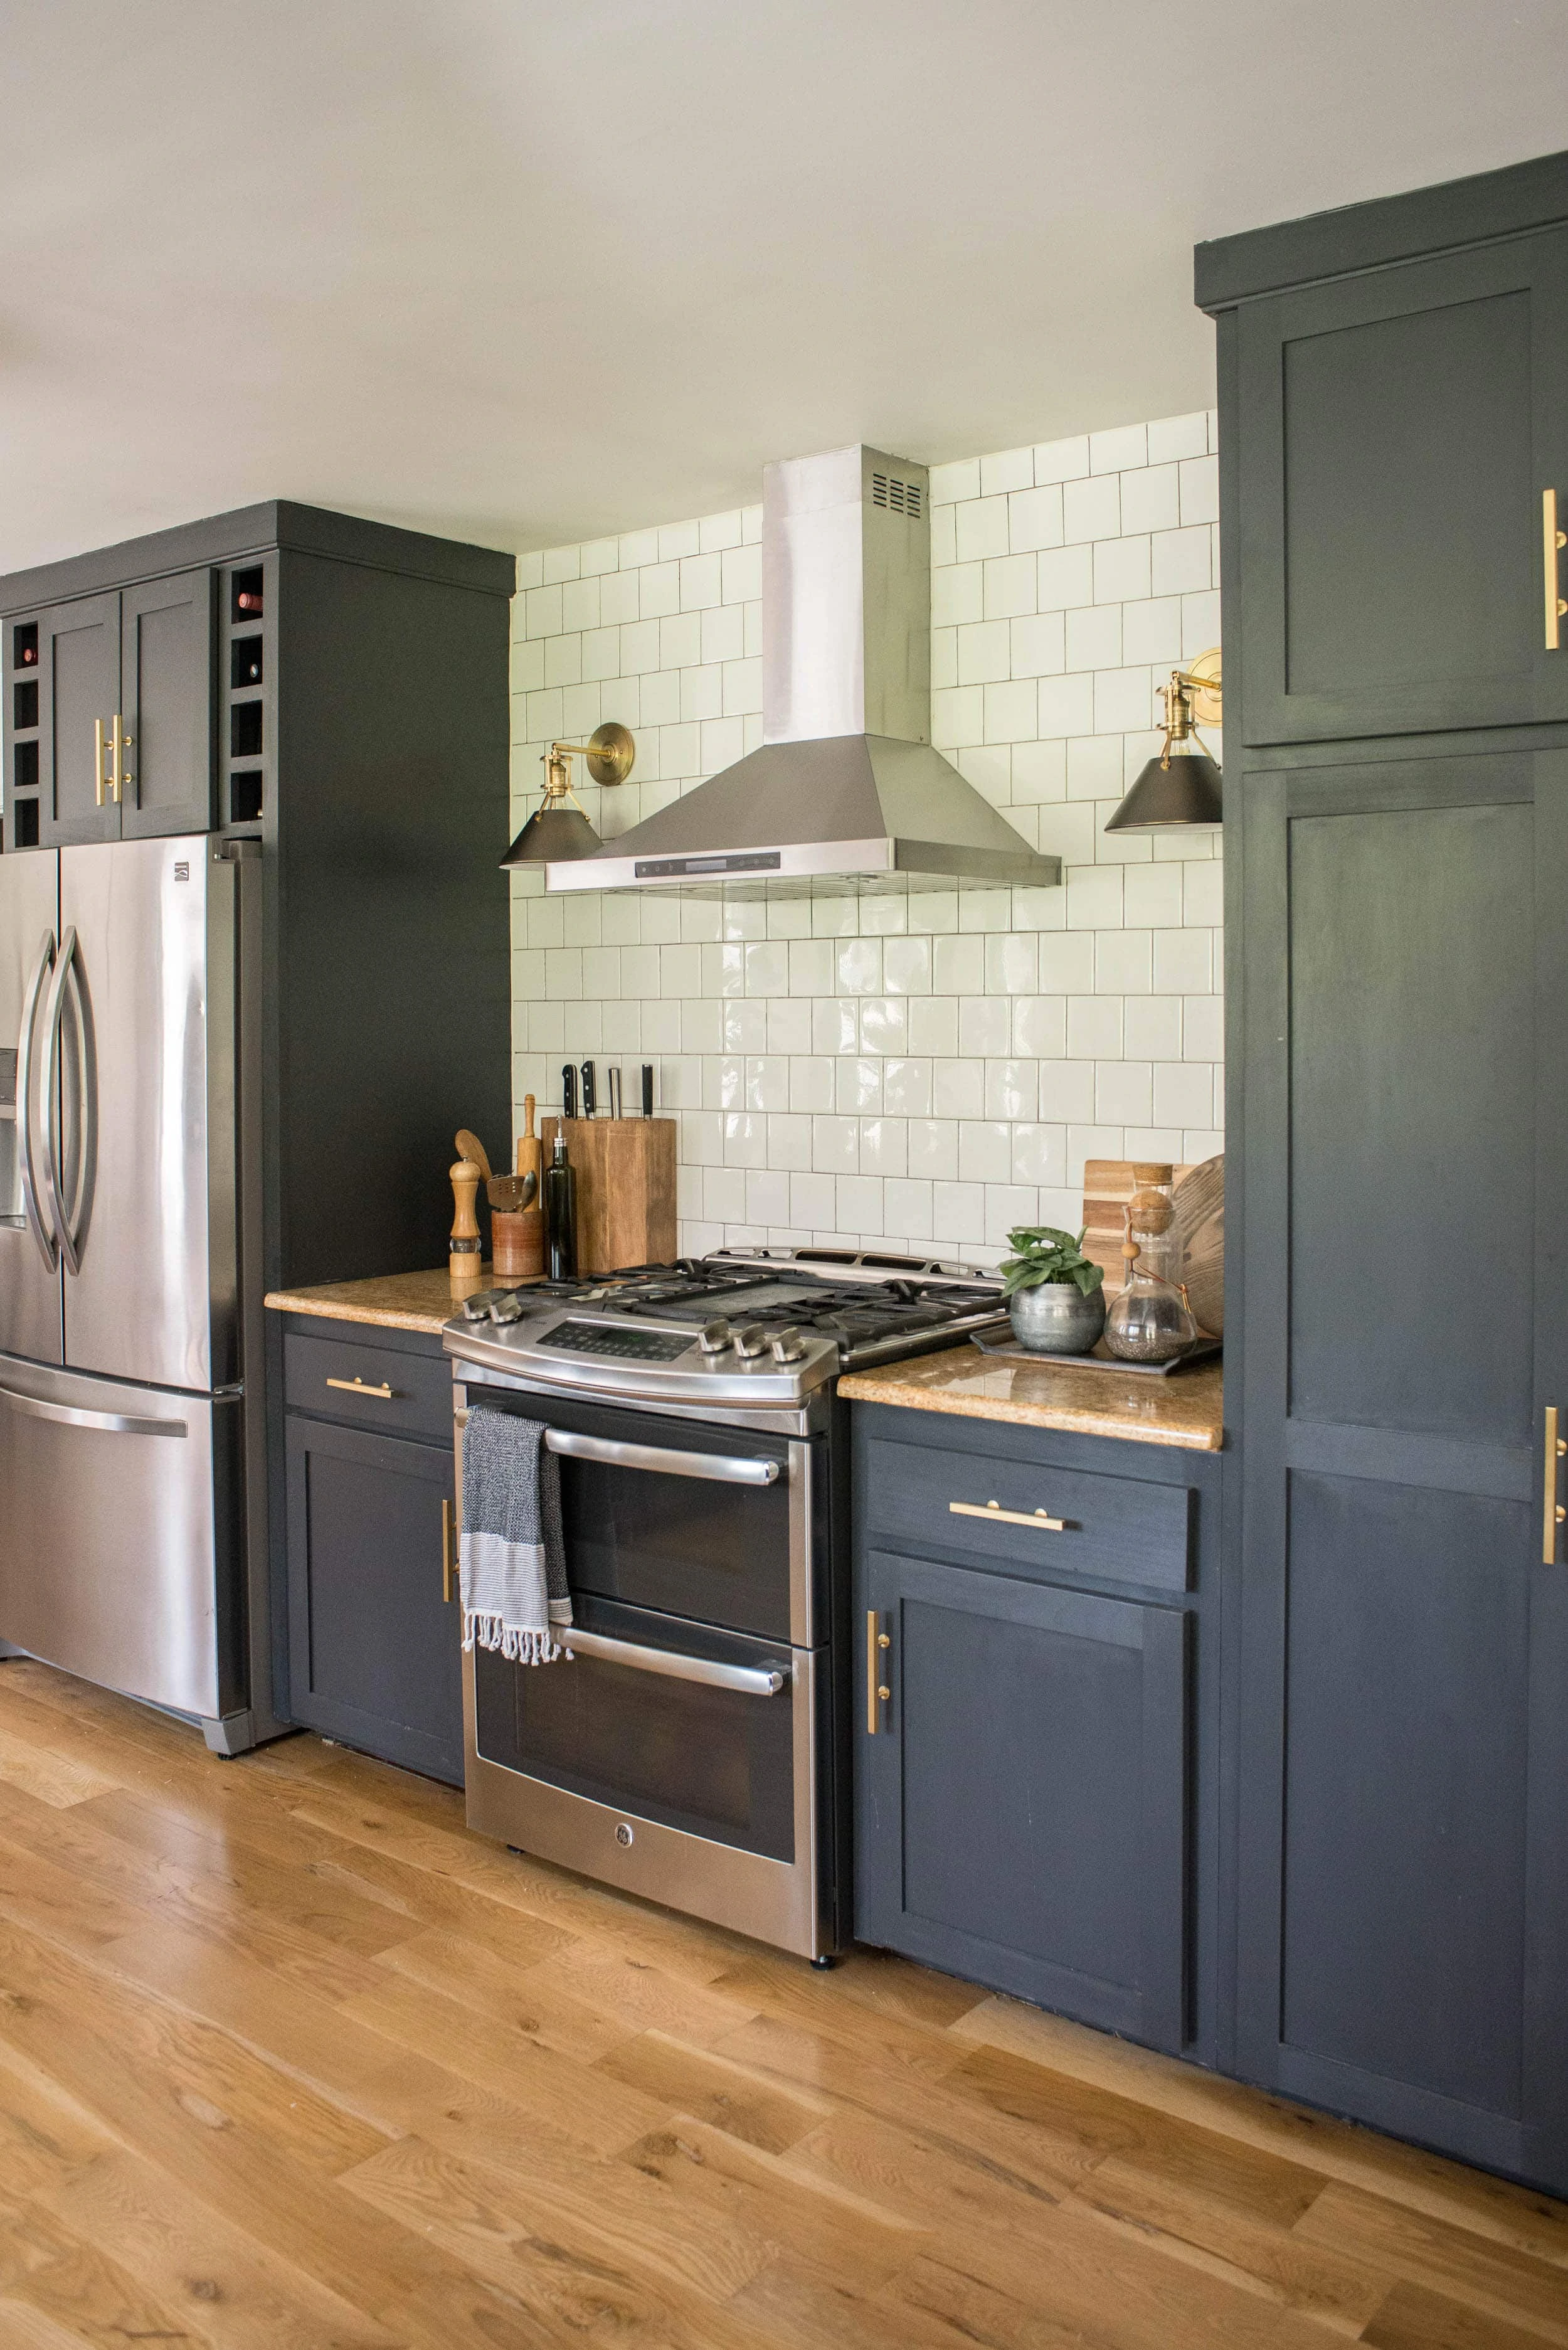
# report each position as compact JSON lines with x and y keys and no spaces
{"x":1393,"y":414}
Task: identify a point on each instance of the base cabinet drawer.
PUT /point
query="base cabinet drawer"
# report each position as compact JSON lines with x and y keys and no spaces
{"x":374,"y":1617}
{"x":390,"y":1390}
{"x":1022,"y":1790}
{"x":1034,"y":1516}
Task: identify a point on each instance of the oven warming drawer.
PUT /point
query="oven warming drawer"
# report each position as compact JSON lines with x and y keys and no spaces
{"x":694,"y":1780}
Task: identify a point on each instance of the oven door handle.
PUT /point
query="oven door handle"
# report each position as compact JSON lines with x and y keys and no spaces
{"x":753,"y":1681}
{"x":723,"y":1467}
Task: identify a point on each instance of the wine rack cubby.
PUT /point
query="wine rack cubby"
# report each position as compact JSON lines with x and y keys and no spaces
{"x":248,"y":718}
{"x":21,"y":817}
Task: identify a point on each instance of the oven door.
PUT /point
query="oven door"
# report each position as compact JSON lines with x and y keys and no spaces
{"x":664,"y":1757}
{"x":718,"y":1525}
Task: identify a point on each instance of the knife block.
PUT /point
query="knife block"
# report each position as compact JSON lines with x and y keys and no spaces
{"x":626,"y":1189}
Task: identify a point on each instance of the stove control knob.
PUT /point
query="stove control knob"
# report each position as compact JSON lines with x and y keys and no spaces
{"x":750,"y":1342}
{"x":788,"y":1347}
{"x":508,"y":1307}
{"x":715,"y":1339}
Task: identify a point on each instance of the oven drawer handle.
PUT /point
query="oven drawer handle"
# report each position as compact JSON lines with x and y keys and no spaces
{"x":723,"y":1467}
{"x":754,"y":1680}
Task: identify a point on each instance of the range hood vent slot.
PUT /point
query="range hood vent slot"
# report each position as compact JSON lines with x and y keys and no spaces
{"x":899,"y":496}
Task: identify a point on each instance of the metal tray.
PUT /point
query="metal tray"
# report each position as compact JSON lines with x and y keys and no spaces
{"x":1099,"y":1358}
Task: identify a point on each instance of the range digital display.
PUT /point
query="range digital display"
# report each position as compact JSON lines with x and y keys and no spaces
{"x":625,"y":1346}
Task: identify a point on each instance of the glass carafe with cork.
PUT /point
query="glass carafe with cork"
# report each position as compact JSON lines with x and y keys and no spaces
{"x":1152,"y":1321}
{"x":1152,"y":1218}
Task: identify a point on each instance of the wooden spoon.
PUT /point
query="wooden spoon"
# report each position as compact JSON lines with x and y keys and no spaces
{"x":471,"y":1148}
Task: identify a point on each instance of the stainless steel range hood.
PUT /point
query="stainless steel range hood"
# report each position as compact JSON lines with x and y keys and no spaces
{"x":845,"y":795}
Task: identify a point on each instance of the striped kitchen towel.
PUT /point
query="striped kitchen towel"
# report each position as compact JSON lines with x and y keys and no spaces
{"x":513,"y":1556}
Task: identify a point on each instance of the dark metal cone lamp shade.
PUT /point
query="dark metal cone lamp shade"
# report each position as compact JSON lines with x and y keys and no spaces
{"x":1179,"y":786}
{"x":1183,"y":790}
{"x":552,"y":832}
{"x":556,"y":832}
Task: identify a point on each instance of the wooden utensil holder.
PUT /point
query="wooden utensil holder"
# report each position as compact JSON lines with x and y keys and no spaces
{"x":517,"y":1244}
{"x":626,"y":1189}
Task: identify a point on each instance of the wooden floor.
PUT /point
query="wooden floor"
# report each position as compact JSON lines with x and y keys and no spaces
{"x":288,"y":2059}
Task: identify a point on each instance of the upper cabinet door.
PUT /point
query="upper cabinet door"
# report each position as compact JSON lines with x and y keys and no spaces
{"x":167,"y":637}
{"x":1398,"y":431}
{"x":78,"y":662}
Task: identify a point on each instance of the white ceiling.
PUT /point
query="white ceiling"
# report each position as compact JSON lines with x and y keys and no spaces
{"x":527,"y":270}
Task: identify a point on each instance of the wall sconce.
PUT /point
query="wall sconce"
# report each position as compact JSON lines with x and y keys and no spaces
{"x":1180,"y":786}
{"x":554,"y":831}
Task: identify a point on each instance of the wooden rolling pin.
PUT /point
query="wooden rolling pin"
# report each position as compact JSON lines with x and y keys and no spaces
{"x":529,"y":1149}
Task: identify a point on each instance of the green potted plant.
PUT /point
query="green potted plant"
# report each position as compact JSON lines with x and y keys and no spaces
{"x":1055,"y":1297}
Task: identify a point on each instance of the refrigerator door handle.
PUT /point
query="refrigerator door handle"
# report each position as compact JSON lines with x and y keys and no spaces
{"x":70,"y":1415}
{"x":49,"y":1248}
{"x":70,"y":1225}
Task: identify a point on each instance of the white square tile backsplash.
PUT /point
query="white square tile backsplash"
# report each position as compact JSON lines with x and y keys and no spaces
{"x":919,"y":1072}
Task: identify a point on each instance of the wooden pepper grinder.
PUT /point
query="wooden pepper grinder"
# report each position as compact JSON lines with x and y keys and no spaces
{"x":465,"y":1245}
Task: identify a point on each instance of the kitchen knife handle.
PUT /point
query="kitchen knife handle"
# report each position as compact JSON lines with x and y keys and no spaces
{"x":648,"y":1088}
{"x":568,"y":1091}
{"x":615,"y":1093}
{"x":590,"y":1091}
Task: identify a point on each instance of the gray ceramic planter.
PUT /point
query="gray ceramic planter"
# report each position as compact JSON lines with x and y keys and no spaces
{"x":1056,"y":1318}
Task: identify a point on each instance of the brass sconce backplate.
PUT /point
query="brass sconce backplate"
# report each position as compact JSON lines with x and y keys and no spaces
{"x":609,"y":753}
{"x":1204,"y":688}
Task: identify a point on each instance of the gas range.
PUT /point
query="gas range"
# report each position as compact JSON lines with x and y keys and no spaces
{"x":747,"y":1329}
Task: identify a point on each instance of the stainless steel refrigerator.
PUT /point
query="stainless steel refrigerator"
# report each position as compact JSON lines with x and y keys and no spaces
{"x":128,"y":1272}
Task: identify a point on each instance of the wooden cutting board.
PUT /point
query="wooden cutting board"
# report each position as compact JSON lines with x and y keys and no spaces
{"x":1108,"y":1187}
{"x":626,"y":1189}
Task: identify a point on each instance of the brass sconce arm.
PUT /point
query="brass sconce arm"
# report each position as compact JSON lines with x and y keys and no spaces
{"x":1192,"y":694}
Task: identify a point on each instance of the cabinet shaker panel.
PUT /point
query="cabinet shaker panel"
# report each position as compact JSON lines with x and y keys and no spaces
{"x":166,"y":670}
{"x":1025,"y":1811}
{"x":1407,"y":1786}
{"x":79,"y":658}
{"x":1413,"y":1063}
{"x":1397,"y":432}
{"x":374,"y":1620}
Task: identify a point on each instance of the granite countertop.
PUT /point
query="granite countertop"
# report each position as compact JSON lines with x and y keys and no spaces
{"x":392,"y":1301}
{"x":1184,"y":1409}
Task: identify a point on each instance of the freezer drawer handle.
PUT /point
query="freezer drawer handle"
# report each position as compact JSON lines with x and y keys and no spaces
{"x":723,"y":1467}
{"x":754,"y":1680}
{"x":48,"y":1247}
{"x":113,"y":1423}
{"x":70,"y":1225}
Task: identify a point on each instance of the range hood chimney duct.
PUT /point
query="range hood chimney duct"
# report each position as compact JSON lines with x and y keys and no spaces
{"x":845,"y":795}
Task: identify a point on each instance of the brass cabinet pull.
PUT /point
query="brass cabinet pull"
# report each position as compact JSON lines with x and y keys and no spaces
{"x":119,"y":744}
{"x":1552,"y":541}
{"x":877,"y":1692}
{"x":356,"y":1386}
{"x":98,"y":757}
{"x":1040,"y":1520}
{"x":1553,"y":1511}
{"x":448,"y":1563}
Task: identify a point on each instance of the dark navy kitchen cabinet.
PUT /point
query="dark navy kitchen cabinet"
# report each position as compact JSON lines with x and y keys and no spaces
{"x":1396,"y":1311}
{"x":1395,"y":433}
{"x":374,"y":1612}
{"x":1036,"y":1743}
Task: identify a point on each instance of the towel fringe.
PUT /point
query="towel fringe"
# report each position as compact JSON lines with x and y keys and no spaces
{"x":517,"y":1646}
